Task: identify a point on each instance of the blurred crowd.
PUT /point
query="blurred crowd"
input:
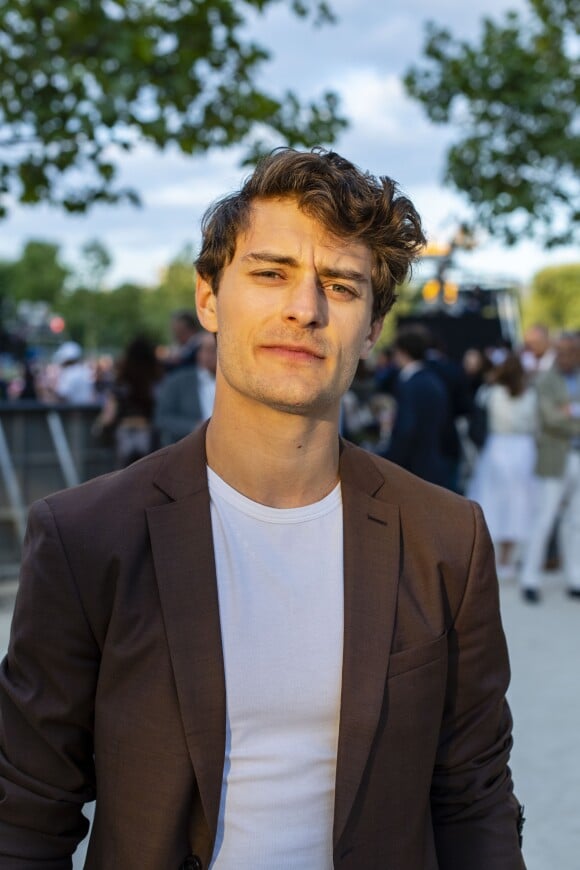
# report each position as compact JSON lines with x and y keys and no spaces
{"x":500,"y":425}
{"x":148,"y":395}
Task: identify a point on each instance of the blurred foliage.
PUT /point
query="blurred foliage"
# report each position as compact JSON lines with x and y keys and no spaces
{"x":97,"y":316}
{"x":81,"y":81}
{"x":103,"y":321}
{"x":95,"y":263}
{"x":554,"y":298}
{"x":514,"y":94}
{"x":37,"y":276}
{"x":408,"y":296}
{"x":175,"y":290}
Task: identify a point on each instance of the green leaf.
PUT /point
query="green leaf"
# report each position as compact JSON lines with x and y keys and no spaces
{"x":514,"y":96}
{"x":81,"y":78}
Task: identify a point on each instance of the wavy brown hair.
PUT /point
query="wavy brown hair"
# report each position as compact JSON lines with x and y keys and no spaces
{"x":347,"y":202}
{"x":510,"y":374}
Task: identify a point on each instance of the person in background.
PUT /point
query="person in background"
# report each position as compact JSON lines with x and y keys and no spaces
{"x":422,"y":412}
{"x":74,"y":378}
{"x":459,"y":405}
{"x":186,"y":395}
{"x":476,"y":366}
{"x":503,"y":478}
{"x":127,"y":415}
{"x":538,"y":354}
{"x":557,"y":469}
{"x":185,"y":331}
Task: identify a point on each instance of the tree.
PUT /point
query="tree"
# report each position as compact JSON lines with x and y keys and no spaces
{"x":95,"y":263}
{"x":38,"y":275}
{"x":514,"y":95}
{"x":175,"y":290}
{"x":555,"y":298}
{"x":83,"y":80}
{"x":103,"y":321}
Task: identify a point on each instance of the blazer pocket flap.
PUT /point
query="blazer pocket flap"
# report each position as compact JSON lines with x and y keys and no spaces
{"x":417,"y":656}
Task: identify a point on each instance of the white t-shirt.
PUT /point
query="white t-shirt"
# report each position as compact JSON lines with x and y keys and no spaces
{"x":280,"y":586}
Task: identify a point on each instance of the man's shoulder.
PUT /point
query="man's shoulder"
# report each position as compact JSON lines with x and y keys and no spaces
{"x":546,"y":380}
{"x":109,"y":490}
{"x":431,"y":519}
{"x":401,"y":487}
{"x":426,"y":380}
{"x":170,"y":473}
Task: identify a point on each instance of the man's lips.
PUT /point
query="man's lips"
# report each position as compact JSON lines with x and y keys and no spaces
{"x":294,"y":351}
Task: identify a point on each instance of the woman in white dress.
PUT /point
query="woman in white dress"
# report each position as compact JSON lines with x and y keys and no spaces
{"x":503,"y":477}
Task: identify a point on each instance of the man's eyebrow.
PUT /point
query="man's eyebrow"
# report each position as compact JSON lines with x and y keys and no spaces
{"x":324,"y":272}
{"x":270,"y":257}
{"x":345,"y":274}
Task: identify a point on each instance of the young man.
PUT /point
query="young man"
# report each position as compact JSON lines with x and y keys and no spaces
{"x":261,"y":646}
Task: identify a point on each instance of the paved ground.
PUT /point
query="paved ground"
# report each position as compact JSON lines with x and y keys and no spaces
{"x":544,"y":643}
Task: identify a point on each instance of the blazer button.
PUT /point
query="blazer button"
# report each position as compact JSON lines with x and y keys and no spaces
{"x":192,"y":862}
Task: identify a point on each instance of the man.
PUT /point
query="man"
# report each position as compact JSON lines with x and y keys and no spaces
{"x":263,"y":647}
{"x":423,"y":410}
{"x":460,"y":406}
{"x":558,"y":470}
{"x":538,"y":353}
{"x":186,"y":395}
{"x":186,"y":333}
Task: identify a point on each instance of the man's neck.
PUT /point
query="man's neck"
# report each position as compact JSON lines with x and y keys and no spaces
{"x":277,"y":459}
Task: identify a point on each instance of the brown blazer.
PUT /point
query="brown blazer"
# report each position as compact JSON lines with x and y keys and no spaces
{"x":115,"y":650}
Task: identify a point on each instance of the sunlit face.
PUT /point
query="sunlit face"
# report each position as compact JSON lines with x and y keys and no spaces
{"x":537,"y":341}
{"x":293,"y":313}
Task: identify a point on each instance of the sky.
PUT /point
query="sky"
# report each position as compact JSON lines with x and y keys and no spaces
{"x":363,"y":58}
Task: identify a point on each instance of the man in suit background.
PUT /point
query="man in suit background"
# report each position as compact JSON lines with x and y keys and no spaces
{"x":423,"y":410}
{"x":262,"y":646}
{"x":186,"y":395}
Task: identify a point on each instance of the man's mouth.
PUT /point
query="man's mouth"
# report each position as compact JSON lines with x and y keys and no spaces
{"x":294,"y":351}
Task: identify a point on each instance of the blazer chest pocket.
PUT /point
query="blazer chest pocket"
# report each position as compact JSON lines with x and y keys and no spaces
{"x":414,"y":657}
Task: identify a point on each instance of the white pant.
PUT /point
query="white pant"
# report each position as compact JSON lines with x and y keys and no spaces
{"x":555,"y":494}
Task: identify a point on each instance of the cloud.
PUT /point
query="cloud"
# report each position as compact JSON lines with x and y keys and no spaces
{"x":378,"y":107}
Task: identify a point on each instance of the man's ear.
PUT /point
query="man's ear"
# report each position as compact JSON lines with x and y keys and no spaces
{"x":374,"y":332}
{"x":206,"y":304}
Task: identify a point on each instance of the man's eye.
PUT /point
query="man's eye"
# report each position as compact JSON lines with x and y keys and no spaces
{"x":268,"y":273}
{"x":341,"y":290}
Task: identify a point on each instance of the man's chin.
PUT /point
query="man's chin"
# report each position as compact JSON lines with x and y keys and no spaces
{"x":302,"y":406}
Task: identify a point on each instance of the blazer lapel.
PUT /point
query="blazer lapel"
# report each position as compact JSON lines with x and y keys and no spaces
{"x":371,"y":575}
{"x":181,"y":540}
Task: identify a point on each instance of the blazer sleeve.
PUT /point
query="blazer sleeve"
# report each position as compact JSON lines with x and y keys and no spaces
{"x":47,"y":687}
{"x":476,"y":818}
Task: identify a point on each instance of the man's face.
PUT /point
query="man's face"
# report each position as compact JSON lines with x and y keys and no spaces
{"x":293,"y":313}
{"x":537,"y":341}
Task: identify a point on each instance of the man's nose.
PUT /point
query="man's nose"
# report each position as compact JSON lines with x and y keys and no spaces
{"x":305,"y":303}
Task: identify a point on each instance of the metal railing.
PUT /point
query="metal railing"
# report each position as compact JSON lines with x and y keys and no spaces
{"x":43,"y":447}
